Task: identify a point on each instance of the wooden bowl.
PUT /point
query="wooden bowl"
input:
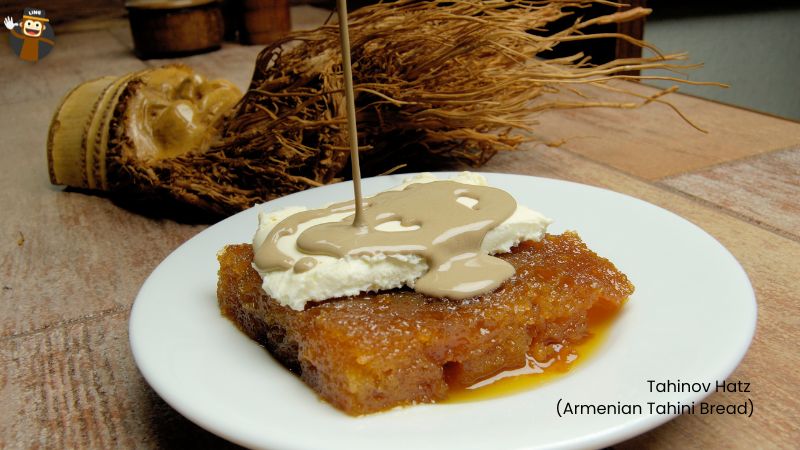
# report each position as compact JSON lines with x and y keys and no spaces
{"x":164,"y":29}
{"x":264,"y":21}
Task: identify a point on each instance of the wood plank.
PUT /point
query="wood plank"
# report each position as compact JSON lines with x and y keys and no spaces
{"x":76,"y":386}
{"x":653,"y":142}
{"x":764,"y":189}
{"x":82,"y":255}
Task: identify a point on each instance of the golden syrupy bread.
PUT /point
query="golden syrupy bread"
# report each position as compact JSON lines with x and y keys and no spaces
{"x":374,"y":351}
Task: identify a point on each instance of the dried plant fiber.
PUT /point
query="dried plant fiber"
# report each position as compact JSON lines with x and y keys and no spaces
{"x":436,"y":82}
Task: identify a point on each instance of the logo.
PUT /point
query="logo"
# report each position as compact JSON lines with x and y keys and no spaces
{"x":32,"y":38}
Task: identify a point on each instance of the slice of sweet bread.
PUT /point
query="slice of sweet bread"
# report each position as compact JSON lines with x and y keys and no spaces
{"x":375,"y":351}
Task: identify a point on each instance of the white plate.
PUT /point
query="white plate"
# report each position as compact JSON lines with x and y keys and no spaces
{"x":691,"y":319}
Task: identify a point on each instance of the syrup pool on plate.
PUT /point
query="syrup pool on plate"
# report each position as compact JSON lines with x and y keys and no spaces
{"x":536,"y":373}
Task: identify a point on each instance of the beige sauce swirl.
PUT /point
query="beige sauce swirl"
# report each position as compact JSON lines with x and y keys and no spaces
{"x":433,"y":223}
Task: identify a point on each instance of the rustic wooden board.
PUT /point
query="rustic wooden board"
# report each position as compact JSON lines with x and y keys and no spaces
{"x":654,"y":142}
{"x":81,"y":255}
{"x":76,"y":386}
{"x":71,"y":264}
{"x":763,"y":189}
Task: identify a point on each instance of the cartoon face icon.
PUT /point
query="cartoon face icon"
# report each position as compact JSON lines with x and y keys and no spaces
{"x":32,"y":38}
{"x":32,"y":28}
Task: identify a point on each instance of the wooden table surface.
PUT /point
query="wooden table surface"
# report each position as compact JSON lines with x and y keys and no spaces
{"x":71,"y":264}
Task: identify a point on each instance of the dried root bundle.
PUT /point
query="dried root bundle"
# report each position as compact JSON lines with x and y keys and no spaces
{"x":436,"y":82}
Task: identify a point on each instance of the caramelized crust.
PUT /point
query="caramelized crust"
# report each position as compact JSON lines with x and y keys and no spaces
{"x":376,"y":351}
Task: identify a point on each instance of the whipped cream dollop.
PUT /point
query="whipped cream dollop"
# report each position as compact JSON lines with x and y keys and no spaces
{"x":330,"y":277}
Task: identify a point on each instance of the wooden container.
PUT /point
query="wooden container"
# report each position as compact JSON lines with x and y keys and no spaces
{"x":163,"y":28}
{"x":264,"y":21}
